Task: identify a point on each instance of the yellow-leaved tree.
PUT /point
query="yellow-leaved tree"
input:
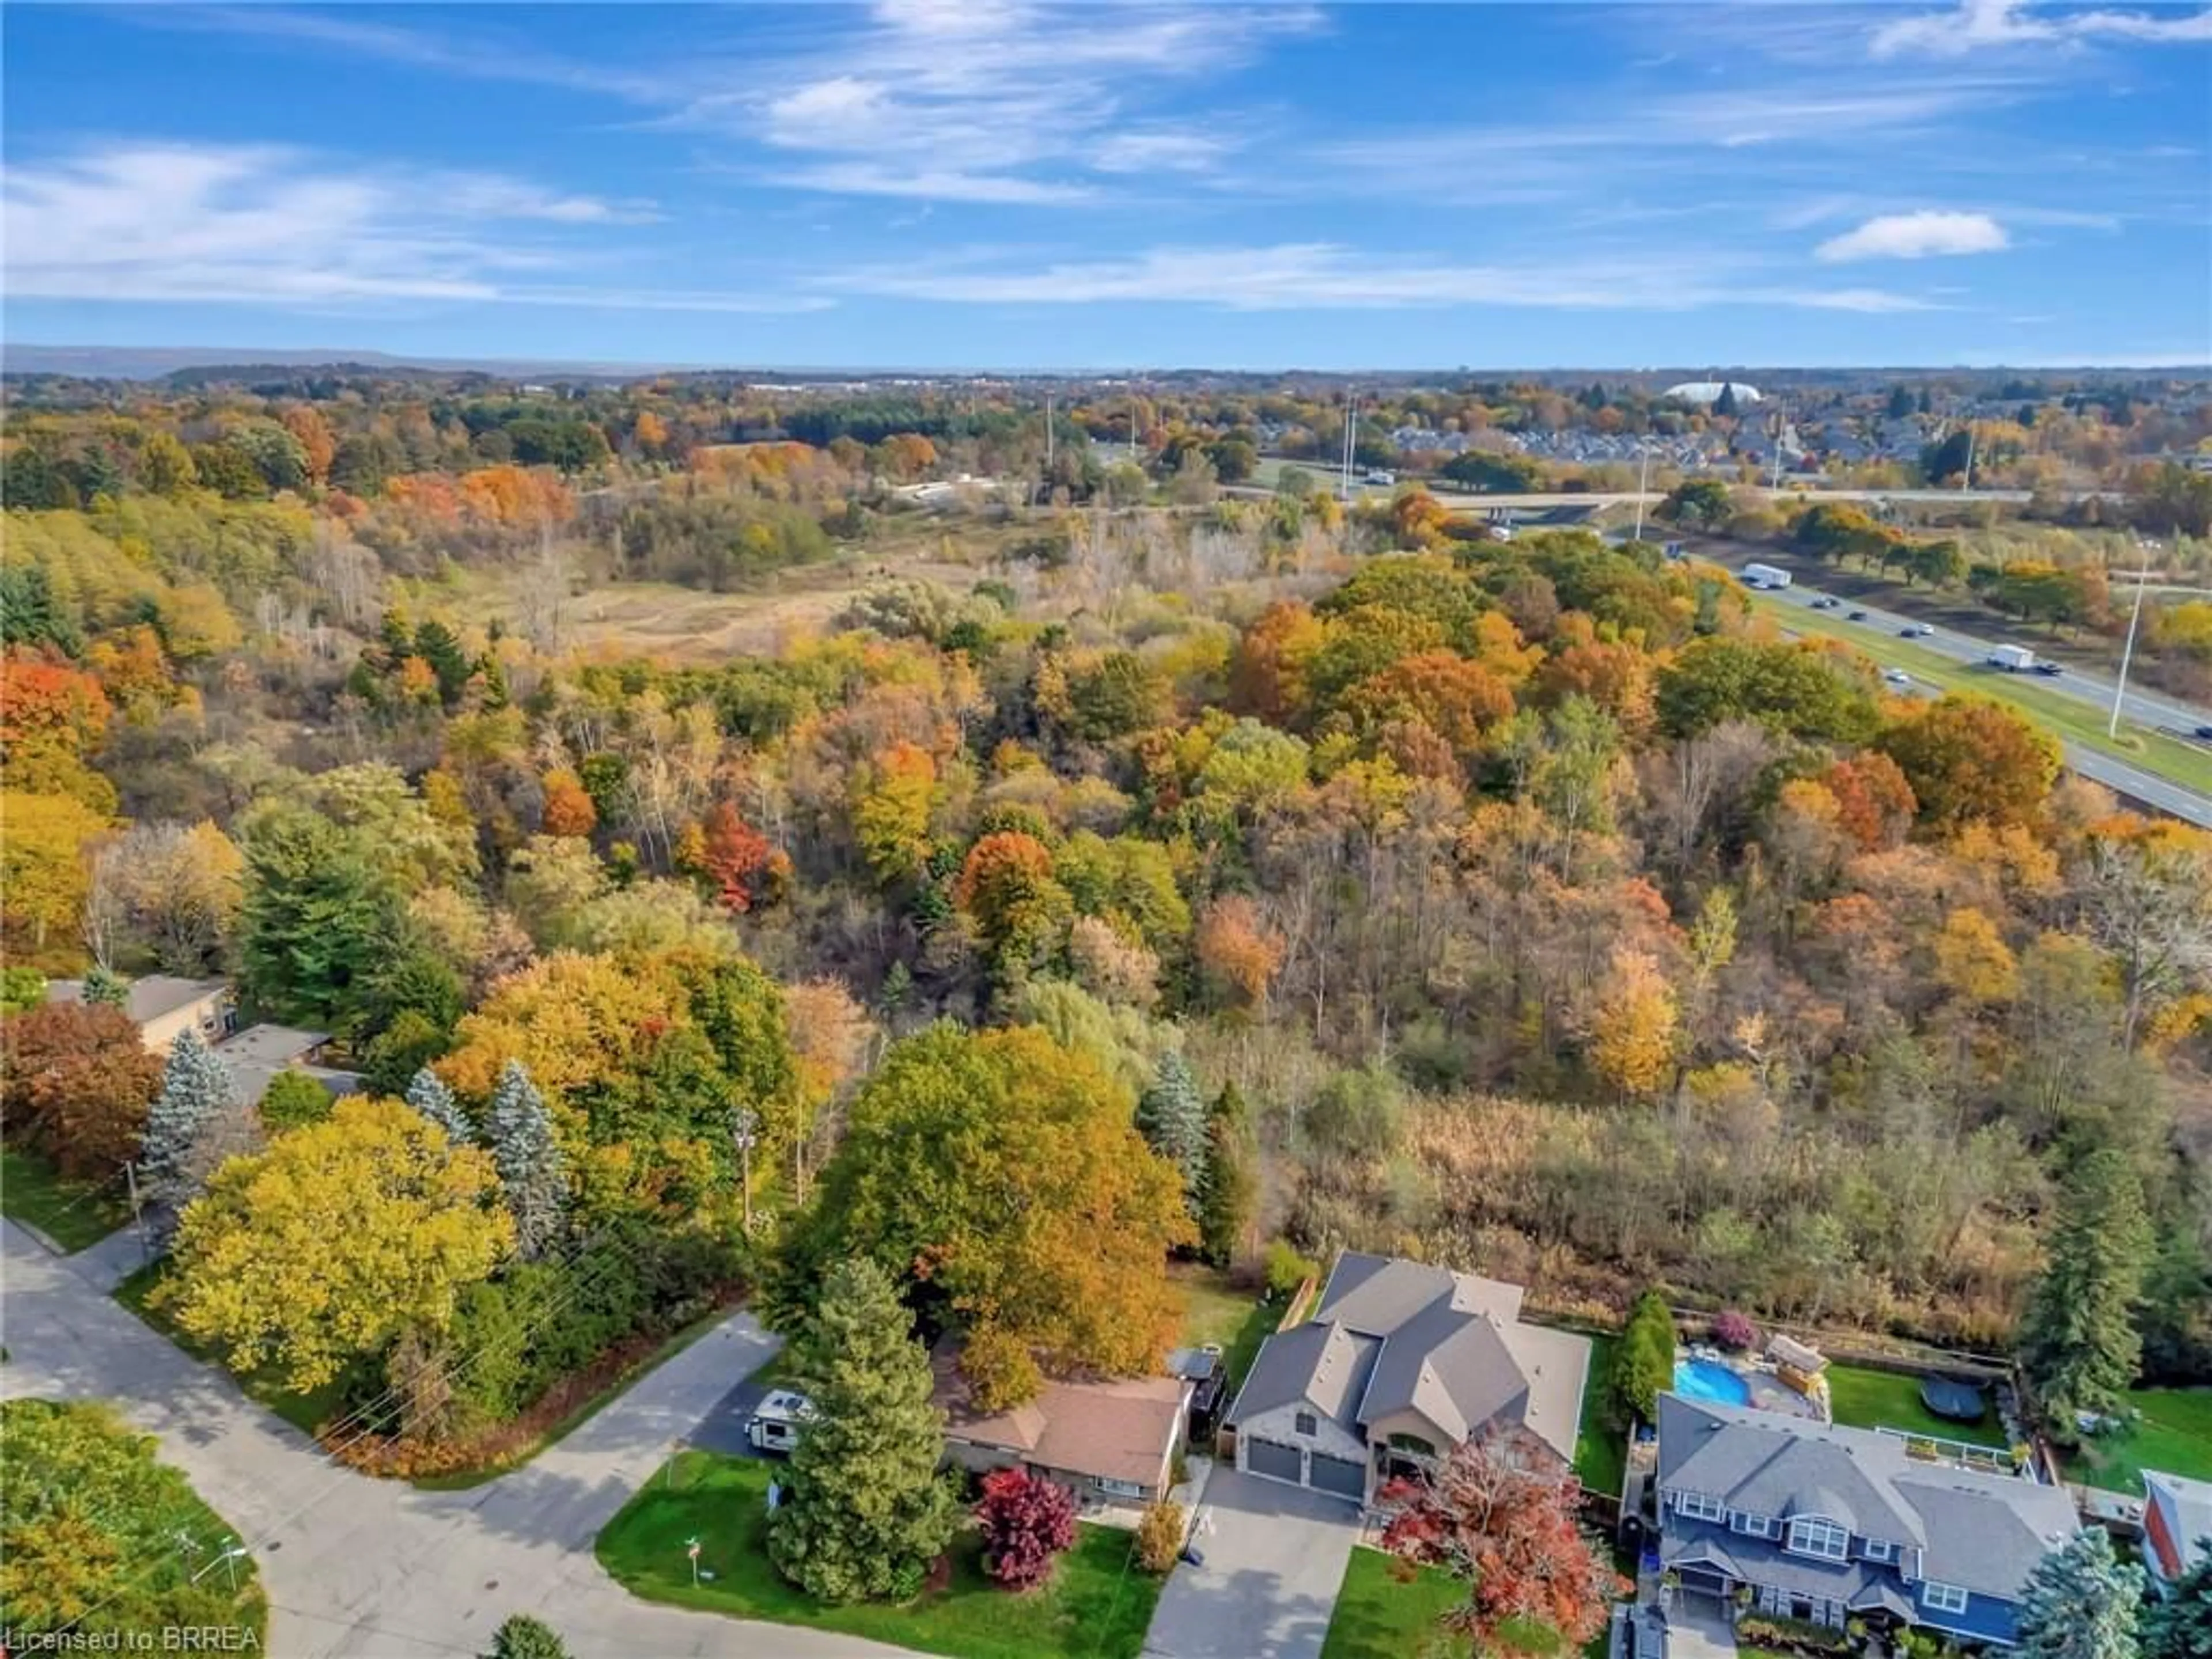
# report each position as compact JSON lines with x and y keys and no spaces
{"x":339,"y":1237}
{"x":1632,"y":1035}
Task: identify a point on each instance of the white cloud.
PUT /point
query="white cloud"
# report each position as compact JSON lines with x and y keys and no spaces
{"x":272,"y":226}
{"x":1915,"y":236}
{"x":1977,"y":25}
{"x":931,"y":183}
{"x":1323,"y":276}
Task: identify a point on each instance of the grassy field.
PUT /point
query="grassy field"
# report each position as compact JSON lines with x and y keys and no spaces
{"x":1214,"y":1312}
{"x":1885,"y":1400}
{"x":2174,"y":1437}
{"x":305,"y":1412}
{"x":72,"y":1213}
{"x":1385,"y":1612}
{"x":1601,"y":1450}
{"x":1098,"y":1606}
{"x":2075,"y":721}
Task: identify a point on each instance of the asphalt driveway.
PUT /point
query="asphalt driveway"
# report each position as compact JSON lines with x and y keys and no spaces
{"x":1275,"y":1557}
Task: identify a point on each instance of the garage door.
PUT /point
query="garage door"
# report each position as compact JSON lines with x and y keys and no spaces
{"x":1272,"y":1457}
{"x":1340,"y":1475}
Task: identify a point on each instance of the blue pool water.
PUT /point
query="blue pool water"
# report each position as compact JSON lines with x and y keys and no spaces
{"x":1709,"y":1380}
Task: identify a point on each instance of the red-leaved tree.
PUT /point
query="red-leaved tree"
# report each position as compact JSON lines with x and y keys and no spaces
{"x":1500,"y":1514}
{"x":1026,"y":1521}
{"x":736,"y":857}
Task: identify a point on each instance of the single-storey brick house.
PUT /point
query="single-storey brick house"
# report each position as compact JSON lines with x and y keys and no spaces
{"x":1107,"y":1439}
{"x":1400,"y":1363}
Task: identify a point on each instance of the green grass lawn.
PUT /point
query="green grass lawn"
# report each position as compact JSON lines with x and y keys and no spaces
{"x":1885,"y":1400}
{"x":2174,"y":1437}
{"x":1601,"y":1450}
{"x":1384,"y":1612}
{"x":2077,"y":721}
{"x":1214,"y":1312}
{"x":72,"y":1213}
{"x":1098,"y":1606}
{"x":305,"y":1412}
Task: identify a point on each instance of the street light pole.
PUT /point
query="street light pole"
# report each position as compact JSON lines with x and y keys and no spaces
{"x":744,"y":1133}
{"x":2128,"y":651}
{"x":1643,"y":481}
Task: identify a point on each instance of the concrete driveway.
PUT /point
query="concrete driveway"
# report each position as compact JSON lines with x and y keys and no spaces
{"x":1275,"y":1557}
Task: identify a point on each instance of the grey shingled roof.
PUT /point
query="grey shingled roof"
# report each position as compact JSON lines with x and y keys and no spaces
{"x":1984,"y":1533}
{"x":1414,"y":1337}
{"x":148,"y":998}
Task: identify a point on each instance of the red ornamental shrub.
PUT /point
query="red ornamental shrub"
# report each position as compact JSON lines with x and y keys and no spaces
{"x":1026,"y":1521}
{"x":1735,"y":1330}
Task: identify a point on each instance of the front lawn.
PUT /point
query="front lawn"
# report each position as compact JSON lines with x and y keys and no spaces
{"x":75,"y":1215}
{"x":1863,"y":1399}
{"x":305,"y":1412}
{"x":2174,"y":1437}
{"x":1601,"y":1449}
{"x":1388,"y":1611}
{"x":1098,"y":1605}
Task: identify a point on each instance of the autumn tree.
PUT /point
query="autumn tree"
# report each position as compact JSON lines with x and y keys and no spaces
{"x":734,"y":858}
{"x":1027,"y":1521}
{"x":1874,"y":804}
{"x":1634,"y":1032}
{"x":44,"y":876}
{"x":866,"y":1511}
{"x":892,"y":800}
{"x":1001,"y":1175}
{"x":1499,"y":1516}
{"x":2078,"y":1342}
{"x":1970,"y":757}
{"x":568,"y":808}
{"x":1238,"y":953}
{"x":178,"y":890}
{"x":1006,"y":887}
{"x":333,"y":1241}
{"x":79,"y":1082}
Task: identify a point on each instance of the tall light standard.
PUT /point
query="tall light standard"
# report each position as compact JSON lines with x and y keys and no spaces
{"x":1642,"y":480}
{"x":744,"y":1135}
{"x":2143,"y":551}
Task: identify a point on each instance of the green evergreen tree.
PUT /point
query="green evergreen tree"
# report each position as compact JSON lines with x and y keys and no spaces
{"x":530,"y":1164}
{"x":2079,"y":1344}
{"x":429,"y":1095}
{"x":1172,"y":1120}
{"x":317,"y":920}
{"x":104,"y":986}
{"x":525,"y":1638}
{"x":2180,"y":1626}
{"x":196,"y":1090}
{"x":867,"y":1511}
{"x":1643,"y":1360}
{"x":2081,"y":1602}
{"x":1229,"y":1201}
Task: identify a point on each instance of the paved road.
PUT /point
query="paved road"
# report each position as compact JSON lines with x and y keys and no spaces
{"x":362,"y":1569}
{"x":1275,"y":1557}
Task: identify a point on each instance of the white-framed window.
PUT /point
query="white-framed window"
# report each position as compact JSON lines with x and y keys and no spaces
{"x":1121,"y":1488}
{"x":1752,"y":1526}
{"x":1306,"y":1424}
{"x":1943,"y":1598}
{"x":1696,"y":1506}
{"x":1812,"y":1534}
{"x":1879,"y":1549}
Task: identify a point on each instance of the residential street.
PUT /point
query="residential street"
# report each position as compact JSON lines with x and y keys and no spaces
{"x":362,"y":1569}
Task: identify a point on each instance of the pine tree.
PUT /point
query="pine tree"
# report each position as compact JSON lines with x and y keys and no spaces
{"x":1230,"y":1194}
{"x":1172,"y":1120}
{"x":196,"y":1092}
{"x":2180,"y":1626}
{"x":867,"y":1510}
{"x":2079,"y":1343}
{"x":2081,"y":1602}
{"x":429,"y":1095}
{"x":529,"y":1163}
{"x":103,"y":986}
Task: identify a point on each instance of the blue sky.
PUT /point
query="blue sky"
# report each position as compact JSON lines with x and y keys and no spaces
{"x":994,"y":184}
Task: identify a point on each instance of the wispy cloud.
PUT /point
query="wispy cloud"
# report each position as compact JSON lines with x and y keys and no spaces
{"x":1324,"y":277}
{"x":1981,"y":25}
{"x":1915,"y":236}
{"x":271,"y":225}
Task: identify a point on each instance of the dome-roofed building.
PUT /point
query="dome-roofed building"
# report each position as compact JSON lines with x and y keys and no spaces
{"x":1708,"y":391}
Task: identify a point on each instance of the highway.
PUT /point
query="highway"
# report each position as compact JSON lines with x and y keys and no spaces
{"x":2144,"y":708}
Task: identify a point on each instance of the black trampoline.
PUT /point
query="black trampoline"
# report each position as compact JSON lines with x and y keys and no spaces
{"x":1962,"y":1402}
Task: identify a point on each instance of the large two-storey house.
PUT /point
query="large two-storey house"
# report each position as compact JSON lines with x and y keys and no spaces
{"x":1830,"y":1524}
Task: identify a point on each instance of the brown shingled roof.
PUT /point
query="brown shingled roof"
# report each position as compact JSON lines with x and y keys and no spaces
{"x":1109,"y":1428}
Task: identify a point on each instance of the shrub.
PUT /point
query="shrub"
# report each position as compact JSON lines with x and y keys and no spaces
{"x":292,"y":1101}
{"x":1160,"y":1536}
{"x":1287,"y":1269}
{"x":1643,"y":1360}
{"x":1735,"y":1330}
{"x":525,"y":1638}
{"x":1027,"y":1521}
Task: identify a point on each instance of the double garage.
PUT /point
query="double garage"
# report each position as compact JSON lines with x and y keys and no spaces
{"x":1343,"y":1477}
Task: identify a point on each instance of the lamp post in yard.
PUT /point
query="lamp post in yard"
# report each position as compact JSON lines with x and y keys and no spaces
{"x":745,"y":1134}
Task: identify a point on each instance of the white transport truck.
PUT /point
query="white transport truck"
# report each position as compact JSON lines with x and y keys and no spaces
{"x":1764,"y":576}
{"x":2013,"y":658}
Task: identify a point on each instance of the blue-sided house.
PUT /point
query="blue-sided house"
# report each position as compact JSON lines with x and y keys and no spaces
{"x":1831,"y":1524}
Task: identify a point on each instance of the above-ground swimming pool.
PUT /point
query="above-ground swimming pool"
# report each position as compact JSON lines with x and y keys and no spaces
{"x":1711,"y":1380}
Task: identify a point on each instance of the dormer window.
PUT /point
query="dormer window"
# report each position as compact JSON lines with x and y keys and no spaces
{"x":1879,"y":1549}
{"x":1307,"y":1424}
{"x":1812,"y":1534}
{"x":1752,"y":1526}
{"x":1696,"y":1506}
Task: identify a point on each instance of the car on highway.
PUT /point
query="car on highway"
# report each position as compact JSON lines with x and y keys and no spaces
{"x":1855,"y":615}
{"x":1823,"y":602}
{"x":2049,"y":670}
{"x":2203,"y":734}
{"x":1915,"y":631}
{"x":1896,"y":677}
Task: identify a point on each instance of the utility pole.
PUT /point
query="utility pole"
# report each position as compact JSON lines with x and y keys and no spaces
{"x":1048,"y":445}
{"x":1642,"y":481}
{"x":1968,"y":481}
{"x":2128,"y":651}
{"x":1351,"y":427}
{"x":744,"y":1133}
